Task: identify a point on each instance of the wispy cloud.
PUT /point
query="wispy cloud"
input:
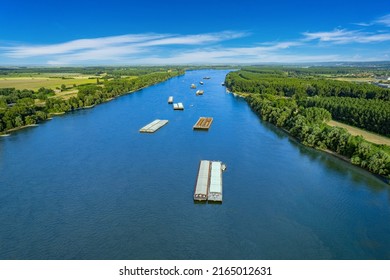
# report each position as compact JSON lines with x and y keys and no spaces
{"x":343,"y":36}
{"x":203,"y":54}
{"x":197,"y":39}
{"x":120,"y":45}
{"x":235,"y":55}
{"x":160,"y":48}
{"x":364,"y":24}
{"x":151,"y":48}
{"x":384,"y":20}
{"x":23,"y":51}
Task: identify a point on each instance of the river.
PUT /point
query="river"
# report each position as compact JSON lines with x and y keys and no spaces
{"x":88,"y":185}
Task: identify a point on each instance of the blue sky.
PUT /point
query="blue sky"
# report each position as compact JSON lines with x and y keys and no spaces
{"x":192,"y":32}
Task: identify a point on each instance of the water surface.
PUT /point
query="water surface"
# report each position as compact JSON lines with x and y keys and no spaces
{"x":88,"y":185}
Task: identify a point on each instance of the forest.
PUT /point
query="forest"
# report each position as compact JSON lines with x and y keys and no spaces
{"x":302,"y":106}
{"x":359,"y":104}
{"x":19,"y":108}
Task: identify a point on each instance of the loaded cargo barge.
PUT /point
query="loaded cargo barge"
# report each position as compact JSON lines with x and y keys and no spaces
{"x":209,"y":181}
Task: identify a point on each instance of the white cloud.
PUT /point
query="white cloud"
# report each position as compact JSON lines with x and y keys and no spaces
{"x":365,"y":24}
{"x":125,"y":44}
{"x":233,"y":56}
{"x":143,"y":47}
{"x":385,"y":20}
{"x":198,"y":39}
{"x":152,"y":48}
{"x":343,"y":36}
{"x":146,"y":53}
{"x":77,"y":45}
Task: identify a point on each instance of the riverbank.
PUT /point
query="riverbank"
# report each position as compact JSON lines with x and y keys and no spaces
{"x":308,"y":199}
{"x":334,"y":154}
{"x":94,"y":95}
{"x":326,"y":150}
{"x":7,"y":132}
{"x":346,"y":159}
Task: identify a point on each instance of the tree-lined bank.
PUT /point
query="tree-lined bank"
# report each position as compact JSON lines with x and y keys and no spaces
{"x":302,"y":106}
{"x":19,"y":108}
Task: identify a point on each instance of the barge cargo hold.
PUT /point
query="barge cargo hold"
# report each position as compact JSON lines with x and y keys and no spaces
{"x":178,"y":106}
{"x":209,"y":181}
{"x":215,"y":189}
{"x":153,"y":126}
{"x":203,"y":123}
{"x":202,"y":182}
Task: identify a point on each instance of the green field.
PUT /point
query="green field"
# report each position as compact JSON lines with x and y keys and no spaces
{"x":35,"y":83}
{"x":370,"y":137}
{"x":355,"y":79}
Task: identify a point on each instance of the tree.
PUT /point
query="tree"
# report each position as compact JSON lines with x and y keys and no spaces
{"x":31,"y":120}
{"x":18,"y":121}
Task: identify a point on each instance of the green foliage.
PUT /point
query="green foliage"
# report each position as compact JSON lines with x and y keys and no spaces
{"x":110,"y":70}
{"x":317,"y":115}
{"x":358,"y":104}
{"x":274,"y":98}
{"x":369,"y":114}
{"x":17,"y":107}
{"x":280,"y":83}
{"x":11,"y":95}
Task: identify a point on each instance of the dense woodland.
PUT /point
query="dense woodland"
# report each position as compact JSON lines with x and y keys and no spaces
{"x":359,"y":104}
{"x":369,"y":114}
{"x":302,"y":104}
{"x":27,"y":107}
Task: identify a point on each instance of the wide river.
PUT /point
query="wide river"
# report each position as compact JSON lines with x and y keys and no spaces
{"x":88,"y":185}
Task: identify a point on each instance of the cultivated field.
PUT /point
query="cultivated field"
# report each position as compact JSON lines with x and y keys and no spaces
{"x":35,"y":83}
{"x":357,"y":79}
{"x":369,"y":136}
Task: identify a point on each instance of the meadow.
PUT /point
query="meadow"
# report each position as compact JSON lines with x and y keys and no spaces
{"x":34,"y":82}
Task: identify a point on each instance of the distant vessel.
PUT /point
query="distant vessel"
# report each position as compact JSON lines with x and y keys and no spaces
{"x":193,"y":86}
{"x":170,"y":100}
{"x":153,"y":126}
{"x":207,"y":78}
{"x":178,"y":106}
{"x":201,"y":83}
{"x":223,"y":84}
{"x":203,"y":123}
{"x":199,"y":92}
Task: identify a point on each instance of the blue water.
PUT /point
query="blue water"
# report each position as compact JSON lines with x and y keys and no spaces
{"x":88,"y":185}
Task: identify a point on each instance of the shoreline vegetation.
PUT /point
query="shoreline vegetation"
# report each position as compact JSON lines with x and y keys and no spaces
{"x":301,"y":101}
{"x":327,"y":151}
{"x":20,"y":109}
{"x":284,"y":98}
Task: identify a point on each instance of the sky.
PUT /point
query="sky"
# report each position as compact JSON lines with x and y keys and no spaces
{"x":75,"y":33}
